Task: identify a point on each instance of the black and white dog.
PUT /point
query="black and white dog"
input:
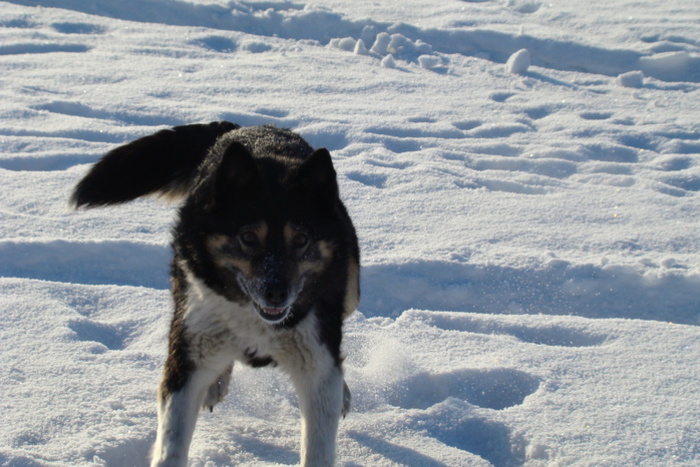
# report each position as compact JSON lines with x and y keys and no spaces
{"x":265,"y":269}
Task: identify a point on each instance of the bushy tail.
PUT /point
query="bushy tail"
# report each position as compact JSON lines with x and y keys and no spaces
{"x":163,"y":163}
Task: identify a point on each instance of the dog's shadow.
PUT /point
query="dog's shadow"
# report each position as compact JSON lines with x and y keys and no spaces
{"x":401,"y":455}
{"x":267,"y":452}
{"x":484,"y":438}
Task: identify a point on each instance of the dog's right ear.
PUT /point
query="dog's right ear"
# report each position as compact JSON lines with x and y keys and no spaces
{"x":236,"y":177}
{"x":316,"y":177}
{"x":165,"y":163}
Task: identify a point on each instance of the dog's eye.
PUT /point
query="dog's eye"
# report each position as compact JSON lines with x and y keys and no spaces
{"x":300,"y":240}
{"x":249,"y":238}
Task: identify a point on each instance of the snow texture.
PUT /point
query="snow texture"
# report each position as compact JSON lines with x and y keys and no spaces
{"x":530,"y":232}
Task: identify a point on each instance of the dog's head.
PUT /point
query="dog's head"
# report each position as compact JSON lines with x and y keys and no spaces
{"x":270,"y":226}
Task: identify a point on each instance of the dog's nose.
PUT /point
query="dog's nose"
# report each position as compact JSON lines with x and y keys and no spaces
{"x":276,"y":295}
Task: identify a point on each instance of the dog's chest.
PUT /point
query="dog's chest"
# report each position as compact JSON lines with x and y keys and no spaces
{"x":217,"y":328}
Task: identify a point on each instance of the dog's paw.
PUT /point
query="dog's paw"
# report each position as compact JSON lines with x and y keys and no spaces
{"x":347,"y":399}
{"x":218,"y":390}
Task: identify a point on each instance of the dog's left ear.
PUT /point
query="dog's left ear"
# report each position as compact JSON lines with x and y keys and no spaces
{"x":317,"y":176}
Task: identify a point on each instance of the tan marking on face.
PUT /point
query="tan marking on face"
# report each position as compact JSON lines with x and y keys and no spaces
{"x":316,"y":266}
{"x":326,"y":251}
{"x":262,"y":231}
{"x":288,"y":233}
{"x":216,"y":245}
{"x":352,"y":291}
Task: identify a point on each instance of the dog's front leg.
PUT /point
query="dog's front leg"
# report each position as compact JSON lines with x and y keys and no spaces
{"x":177,"y":416}
{"x":320,"y":393}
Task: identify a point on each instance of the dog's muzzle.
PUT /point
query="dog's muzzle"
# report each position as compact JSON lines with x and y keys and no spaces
{"x":273,"y":300}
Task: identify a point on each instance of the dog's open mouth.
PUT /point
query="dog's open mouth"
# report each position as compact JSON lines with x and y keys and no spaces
{"x":273,"y":315}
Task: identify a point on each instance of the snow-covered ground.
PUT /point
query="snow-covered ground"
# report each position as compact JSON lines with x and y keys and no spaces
{"x":524,"y":176}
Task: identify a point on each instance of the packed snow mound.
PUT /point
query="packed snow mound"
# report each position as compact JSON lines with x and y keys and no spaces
{"x":519,"y":62}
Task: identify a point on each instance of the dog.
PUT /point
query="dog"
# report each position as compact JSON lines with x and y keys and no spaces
{"x":265,"y":269}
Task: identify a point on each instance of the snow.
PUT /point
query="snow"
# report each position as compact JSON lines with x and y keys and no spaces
{"x":529,"y":229}
{"x":519,"y":62}
{"x":631,"y":79}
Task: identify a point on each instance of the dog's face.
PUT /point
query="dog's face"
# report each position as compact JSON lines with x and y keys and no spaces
{"x":271,"y":263}
{"x":273,"y":233}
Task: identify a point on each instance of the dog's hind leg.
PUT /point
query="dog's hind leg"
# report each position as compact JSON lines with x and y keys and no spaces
{"x":218,"y":390}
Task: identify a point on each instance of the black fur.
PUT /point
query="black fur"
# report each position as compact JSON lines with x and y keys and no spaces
{"x":232,"y":177}
{"x":178,"y":364}
{"x":258,"y":362}
{"x":269,"y":174}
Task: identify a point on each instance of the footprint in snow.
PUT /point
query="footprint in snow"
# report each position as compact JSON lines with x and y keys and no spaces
{"x":215,"y":43}
{"x":466,"y":125}
{"x":78,"y":28}
{"x":271,"y":112}
{"x":17,"y":49}
{"x":596,"y":115}
{"x":17,"y":23}
{"x":78,"y":109}
{"x":370,"y":179}
{"x":540,"y":112}
{"x":501,"y":96}
{"x":421,"y":120}
{"x":108,"y":335}
{"x":415,"y":132}
{"x":552,"y":335}
{"x":495,"y":389}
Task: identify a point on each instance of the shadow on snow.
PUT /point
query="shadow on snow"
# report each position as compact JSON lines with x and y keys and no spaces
{"x":387,"y":290}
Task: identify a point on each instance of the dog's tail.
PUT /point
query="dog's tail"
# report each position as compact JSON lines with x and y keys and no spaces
{"x":164,"y":163}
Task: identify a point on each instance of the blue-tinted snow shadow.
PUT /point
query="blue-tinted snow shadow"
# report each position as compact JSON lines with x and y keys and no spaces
{"x":10,"y":460}
{"x":323,"y":25}
{"x":558,"y":289}
{"x":388,"y":290}
{"x":547,"y":53}
{"x":45,"y":163}
{"x":115,"y":263}
{"x":487,"y":439}
{"x":492,"y":441}
{"x":77,"y":109}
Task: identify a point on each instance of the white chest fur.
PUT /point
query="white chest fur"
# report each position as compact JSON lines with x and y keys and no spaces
{"x":218,"y":329}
